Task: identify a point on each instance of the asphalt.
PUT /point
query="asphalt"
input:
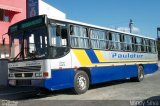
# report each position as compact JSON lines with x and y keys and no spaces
{"x":115,"y":93}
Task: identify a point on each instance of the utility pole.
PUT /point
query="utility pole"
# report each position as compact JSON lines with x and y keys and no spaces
{"x":130,"y":25}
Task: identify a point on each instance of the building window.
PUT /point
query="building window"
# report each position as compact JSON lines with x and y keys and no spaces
{"x":3,"y":15}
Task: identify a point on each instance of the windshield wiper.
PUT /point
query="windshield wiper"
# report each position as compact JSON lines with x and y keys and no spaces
{"x":19,"y":54}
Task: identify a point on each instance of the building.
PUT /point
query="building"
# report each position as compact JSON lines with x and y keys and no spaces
{"x":39,"y":7}
{"x":50,"y":11}
{"x":11,"y":11}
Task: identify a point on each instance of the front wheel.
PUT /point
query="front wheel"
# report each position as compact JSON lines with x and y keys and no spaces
{"x":81,"y":82}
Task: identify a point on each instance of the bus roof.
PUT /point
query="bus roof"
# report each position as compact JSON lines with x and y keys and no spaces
{"x":103,"y":28}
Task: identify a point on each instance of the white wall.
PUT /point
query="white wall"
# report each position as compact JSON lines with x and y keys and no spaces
{"x":50,"y":11}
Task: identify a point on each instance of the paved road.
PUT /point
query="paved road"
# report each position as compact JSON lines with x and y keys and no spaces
{"x":123,"y":90}
{"x":117,"y":90}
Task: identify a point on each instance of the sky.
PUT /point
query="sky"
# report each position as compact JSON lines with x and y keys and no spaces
{"x":114,"y":13}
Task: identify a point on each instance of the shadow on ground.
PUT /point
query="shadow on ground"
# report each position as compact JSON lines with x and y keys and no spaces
{"x":152,"y":101}
{"x":25,"y":93}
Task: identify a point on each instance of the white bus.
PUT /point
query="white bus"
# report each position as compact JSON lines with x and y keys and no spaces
{"x":59,"y":54}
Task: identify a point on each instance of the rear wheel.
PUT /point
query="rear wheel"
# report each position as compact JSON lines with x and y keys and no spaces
{"x":140,"y":76}
{"x":81,"y":82}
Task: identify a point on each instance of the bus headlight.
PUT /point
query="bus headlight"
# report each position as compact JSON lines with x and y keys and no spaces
{"x":11,"y":75}
{"x":38,"y":75}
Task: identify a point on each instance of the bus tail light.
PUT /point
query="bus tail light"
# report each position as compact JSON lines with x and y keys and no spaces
{"x":45,"y":74}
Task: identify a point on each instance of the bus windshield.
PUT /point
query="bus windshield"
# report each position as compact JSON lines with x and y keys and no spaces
{"x":39,"y":42}
{"x":29,"y":44}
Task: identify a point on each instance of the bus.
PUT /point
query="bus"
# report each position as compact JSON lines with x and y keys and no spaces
{"x":58,"y":54}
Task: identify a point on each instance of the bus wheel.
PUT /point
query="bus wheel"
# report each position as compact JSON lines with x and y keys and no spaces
{"x":140,"y":76}
{"x":81,"y":82}
{"x":140,"y":73}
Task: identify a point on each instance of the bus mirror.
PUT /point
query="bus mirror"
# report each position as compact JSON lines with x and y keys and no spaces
{"x":64,"y":33}
{"x":58,"y":30}
{"x":3,"y":41}
{"x":71,"y":30}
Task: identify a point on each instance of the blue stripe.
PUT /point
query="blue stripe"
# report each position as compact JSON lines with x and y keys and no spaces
{"x":110,"y":73}
{"x":64,"y":78}
{"x":60,"y":79}
{"x":92,"y":56}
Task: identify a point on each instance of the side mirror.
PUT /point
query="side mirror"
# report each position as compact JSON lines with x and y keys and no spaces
{"x":58,"y":30}
{"x":3,"y":41}
{"x":71,"y":30}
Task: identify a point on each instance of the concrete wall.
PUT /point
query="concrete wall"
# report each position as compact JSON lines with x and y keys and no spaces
{"x":3,"y":72}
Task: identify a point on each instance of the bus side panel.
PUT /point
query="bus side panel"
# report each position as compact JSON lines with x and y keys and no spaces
{"x":60,"y":79}
{"x":109,"y":73}
{"x":150,"y":68}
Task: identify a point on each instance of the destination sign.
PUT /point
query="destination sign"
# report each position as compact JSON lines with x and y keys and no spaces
{"x":31,"y":23}
{"x":28,"y":23}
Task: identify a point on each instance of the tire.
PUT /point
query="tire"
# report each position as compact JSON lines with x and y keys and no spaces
{"x":81,"y":82}
{"x":140,"y":76}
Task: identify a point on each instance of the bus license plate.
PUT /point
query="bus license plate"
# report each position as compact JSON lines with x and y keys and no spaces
{"x":12,"y":82}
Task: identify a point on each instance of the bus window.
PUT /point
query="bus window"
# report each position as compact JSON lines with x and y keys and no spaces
{"x":58,"y":35}
{"x":98,"y":39}
{"x":133,"y":43}
{"x":107,"y":39}
{"x":128,"y":43}
{"x":138,"y":44}
{"x":79,"y":37}
{"x":143,"y":47}
{"x":152,"y":46}
{"x":147,"y":45}
{"x":122,"y":42}
{"x":116,"y":40}
{"x":71,"y":30}
{"x":111,"y":44}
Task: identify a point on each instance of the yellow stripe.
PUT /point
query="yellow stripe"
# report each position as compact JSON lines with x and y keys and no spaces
{"x":100,"y":56}
{"x":82,"y":57}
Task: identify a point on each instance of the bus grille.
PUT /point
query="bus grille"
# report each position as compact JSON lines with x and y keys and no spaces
{"x":23,"y":82}
{"x":25,"y":69}
{"x":20,"y":75}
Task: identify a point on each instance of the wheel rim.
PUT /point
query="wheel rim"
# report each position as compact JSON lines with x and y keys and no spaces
{"x":82,"y":82}
{"x":141,"y":73}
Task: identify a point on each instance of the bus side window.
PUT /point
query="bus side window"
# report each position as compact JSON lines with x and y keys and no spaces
{"x":147,"y":45}
{"x":111,"y":46}
{"x":122,"y":41}
{"x":107,"y":40}
{"x":58,"y":30}
{"x":133,"y":43}
{"x":110,"y":36}
{"x":138,"y":44}
{"x":143,"y":46}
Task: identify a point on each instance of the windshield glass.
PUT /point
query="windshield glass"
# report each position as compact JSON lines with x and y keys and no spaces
{"x":29,"y":44}
{"x":40,"y":42}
